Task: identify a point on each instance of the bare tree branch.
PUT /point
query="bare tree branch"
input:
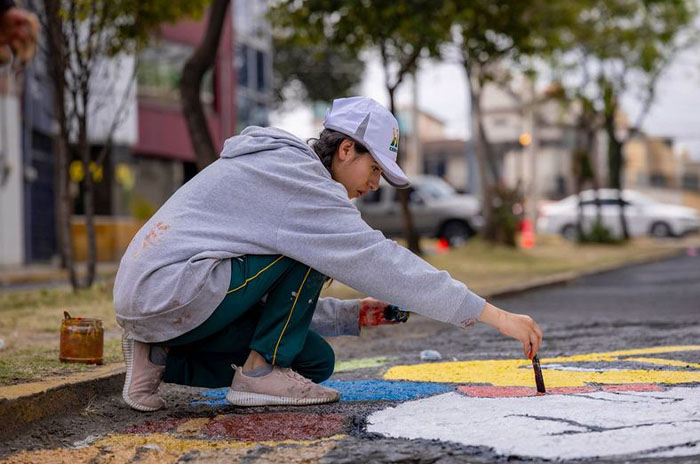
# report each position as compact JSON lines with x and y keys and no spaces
{"x":118,"y":115}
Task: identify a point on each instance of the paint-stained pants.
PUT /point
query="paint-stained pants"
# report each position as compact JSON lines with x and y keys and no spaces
{"x":268,"y":308}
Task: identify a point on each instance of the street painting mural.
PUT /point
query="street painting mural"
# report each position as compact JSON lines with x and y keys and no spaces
{"x":599,"y":405}
{"x":638,"y":402}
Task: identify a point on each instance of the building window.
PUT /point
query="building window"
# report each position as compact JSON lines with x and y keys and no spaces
{"x":242,"y":65}
{"x":160,"y":70}
{"x":561,"y":186}
{"x":552,"y":143}
{"x":261,"y":71}
{"x":253,"y":62}
{"x":252,"y":65}
{"x":250,"y":112}
{"x":657,"y":180}
{"x":691,"y":181}
{"x":500,"y":122}
{"x":435,"y":167}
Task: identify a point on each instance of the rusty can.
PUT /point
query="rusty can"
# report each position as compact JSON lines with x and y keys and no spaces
{"x":82,"y":340}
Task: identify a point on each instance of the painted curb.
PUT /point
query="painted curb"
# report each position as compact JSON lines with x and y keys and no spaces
{"x":50,"y":398}
{"x":22,"y":405}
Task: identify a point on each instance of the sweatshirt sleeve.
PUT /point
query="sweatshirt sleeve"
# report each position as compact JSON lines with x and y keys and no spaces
{"x":334,"y":317}
{"x":321,"y":228}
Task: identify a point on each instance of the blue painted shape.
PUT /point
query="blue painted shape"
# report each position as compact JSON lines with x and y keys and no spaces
{"x":353,"y":390}
{"x":384,"y":390}
{"x":215,"y":397}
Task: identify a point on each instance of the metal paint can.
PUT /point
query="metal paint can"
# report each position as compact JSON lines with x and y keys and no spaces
{"x":82,"y":340}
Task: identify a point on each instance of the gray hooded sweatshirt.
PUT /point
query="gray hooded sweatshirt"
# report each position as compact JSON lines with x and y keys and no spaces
{"x":269,"y":194}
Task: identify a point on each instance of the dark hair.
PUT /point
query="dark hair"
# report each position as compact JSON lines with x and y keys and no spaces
{"x":327,"y":143}
{"x":325,"y":146}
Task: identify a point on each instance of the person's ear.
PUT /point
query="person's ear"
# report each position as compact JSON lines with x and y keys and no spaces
{"x":344,"y":149}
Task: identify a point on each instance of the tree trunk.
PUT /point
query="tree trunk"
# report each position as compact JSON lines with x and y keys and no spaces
{"x":584,"y":171}
{"x":578,"y":186}
{"x":57,"y":65}
{"x":409,"y":230}
{"x":594,"y":178}
{"x":201,"y":60}
{"x":615,"y":165}
{"x":481,"y":150}
{"x":88,"y":194}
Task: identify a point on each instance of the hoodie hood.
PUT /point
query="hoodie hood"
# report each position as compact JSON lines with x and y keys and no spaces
{"x":255,"y":139}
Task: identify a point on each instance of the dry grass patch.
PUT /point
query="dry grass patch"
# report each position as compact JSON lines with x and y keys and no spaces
{"x":30,"y":320}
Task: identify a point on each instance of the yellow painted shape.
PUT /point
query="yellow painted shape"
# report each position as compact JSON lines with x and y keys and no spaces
{"x":516,"y":372}
{"x":363,"y":363}
{"x":289,"y":454}
{"x":167,"y":449}
{"x":193,"y":426}
{"x":174,"y":444}
{"x":616,"y":355}
{"x":167,"y":442}
{"x":53,"y":456}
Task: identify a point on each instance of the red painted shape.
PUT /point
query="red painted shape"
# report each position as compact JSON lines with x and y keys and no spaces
{"x":275,"y":426}
{"x":497,"y":392}
{"x":633,"y":387}
{"x":570,"y":390}
{"x":514,"y":392}
{"x":163,"y":426}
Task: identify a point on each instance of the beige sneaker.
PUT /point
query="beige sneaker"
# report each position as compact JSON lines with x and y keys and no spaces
{"x":281,"y":386}
{"x":142,"y":377}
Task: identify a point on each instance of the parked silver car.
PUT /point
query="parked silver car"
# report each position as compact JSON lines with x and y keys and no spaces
{"x":437,"y":210}
{"x":644,"y":215}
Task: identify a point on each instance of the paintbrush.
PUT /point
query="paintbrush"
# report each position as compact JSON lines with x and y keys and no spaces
{"x":539,"y":380}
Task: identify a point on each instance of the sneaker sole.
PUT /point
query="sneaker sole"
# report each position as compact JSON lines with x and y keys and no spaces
{"x":127,"y":349}
{"x":238,"y":398}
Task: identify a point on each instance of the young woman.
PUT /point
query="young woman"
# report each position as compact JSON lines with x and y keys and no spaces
{"x":228,"y":272}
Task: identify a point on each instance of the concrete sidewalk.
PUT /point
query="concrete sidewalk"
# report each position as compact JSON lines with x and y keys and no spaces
{"x":21,"y":405}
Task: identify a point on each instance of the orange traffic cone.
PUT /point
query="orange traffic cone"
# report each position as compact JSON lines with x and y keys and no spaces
{"x":527,"y":234}
{"x":442,"y":245}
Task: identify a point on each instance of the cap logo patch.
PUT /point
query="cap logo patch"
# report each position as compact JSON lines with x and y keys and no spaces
{"x":394,"y":140}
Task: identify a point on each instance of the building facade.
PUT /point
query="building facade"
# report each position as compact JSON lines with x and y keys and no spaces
{"x":543,"y":166}
{"x":150,"y":153}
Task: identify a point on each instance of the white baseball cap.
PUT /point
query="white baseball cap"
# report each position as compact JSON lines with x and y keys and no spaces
{"x":369,"y":123}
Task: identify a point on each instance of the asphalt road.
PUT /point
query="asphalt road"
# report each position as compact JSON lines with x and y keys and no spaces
{"x":653,"y":305}
{"x":665,"y":291}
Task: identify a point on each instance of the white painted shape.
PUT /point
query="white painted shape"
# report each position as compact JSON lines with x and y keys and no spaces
{"x":561,"y":367}
{"x":654,"y":420}
{"x":690,"y":450}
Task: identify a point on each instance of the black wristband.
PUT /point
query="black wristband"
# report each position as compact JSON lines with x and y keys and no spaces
{"x":395,"y":314}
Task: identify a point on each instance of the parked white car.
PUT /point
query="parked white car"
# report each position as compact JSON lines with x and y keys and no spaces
{"x":437,"y":210}
{"x":645,"y":216}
